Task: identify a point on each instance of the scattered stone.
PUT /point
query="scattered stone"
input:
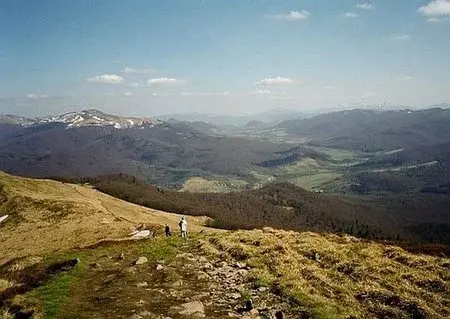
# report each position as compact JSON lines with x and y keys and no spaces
{"x":135,"y":316}
{"x":159,"y":267}
{"x":235,"y":295}
{"x":240,"y":265}
{"x":242,"y":272}
{"x":222,"y":264}
{"x":202,"y":259}
{"x":96,"y":266}
{"x":262,"y":289}
{"x":141,"y":261}
{"x":3,"y":218}
{"x":187,"y":256}
{"x":202,"y":276}
{"x":145,"y":313}
{"x":193,"y":308}
{"x":208,"y":266}
{"x":254,"y":312}
{"x":121,"y":256}
{"x":130,"y":270}
{"x":142,"y":284}
{"x":177,"y":283}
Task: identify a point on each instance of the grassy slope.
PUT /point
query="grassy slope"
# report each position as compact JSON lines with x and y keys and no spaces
{"x":202,"y":185}
{"x":323,"y":276}
{"x":326,"y":273}
{"x":49,"y":216}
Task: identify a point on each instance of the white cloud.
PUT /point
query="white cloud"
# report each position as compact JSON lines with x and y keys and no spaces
{"x":434,"y":19}
{"x":436,"y":8}
{"x":163,"y":81}
{"x":129,"y":70}
{"x":262,"y":92}
{"x":106,"y":79}
{"x":351,"y":15}
{"x":278,"y":81}
{"x":128,"y":94}
{"x":403,"y":78}
{"x":225,"y":93}
{"x":331,"y":87}
{"x":293,"y":15}
{"x":398,"y":36}
{"x":32,"y":96}
{"x":365,"y":6}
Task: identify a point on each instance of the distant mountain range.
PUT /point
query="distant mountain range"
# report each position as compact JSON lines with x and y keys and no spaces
{"x":168,"y":153}
{"x":83,"y":118}
{"x":371,"y":130}
{"x":91,"y":143}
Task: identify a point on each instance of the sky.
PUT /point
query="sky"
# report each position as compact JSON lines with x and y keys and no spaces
{"x":146,"y":58}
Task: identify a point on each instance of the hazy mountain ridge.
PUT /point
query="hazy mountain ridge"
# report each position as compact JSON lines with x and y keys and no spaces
{"x":370,"y":130}
{"x":85,"y":118}
{"x":164,"y":153}
{"x":378,"y":146}
{"x":15,"y":120}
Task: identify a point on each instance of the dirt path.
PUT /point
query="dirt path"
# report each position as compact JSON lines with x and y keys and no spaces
{"x":175,"y":282}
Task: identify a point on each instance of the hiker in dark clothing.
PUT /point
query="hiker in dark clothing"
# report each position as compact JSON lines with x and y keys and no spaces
{"x":167,"y":230}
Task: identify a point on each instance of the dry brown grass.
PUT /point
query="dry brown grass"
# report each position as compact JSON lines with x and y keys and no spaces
{"x":6,"y":315}
{"x":48,"y":216}
{"x":5,"y":284}
{"x":340,"y":276}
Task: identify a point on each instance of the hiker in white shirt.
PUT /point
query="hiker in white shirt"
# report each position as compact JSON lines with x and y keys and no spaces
{"x":183,"y":227}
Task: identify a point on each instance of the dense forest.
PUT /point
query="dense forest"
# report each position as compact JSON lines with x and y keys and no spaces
{"x":283,"y":206}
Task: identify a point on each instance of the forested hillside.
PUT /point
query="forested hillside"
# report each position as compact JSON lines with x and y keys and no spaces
{"x":283,"y":206}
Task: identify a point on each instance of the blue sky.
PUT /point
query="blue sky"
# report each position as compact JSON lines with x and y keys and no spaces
{"x":221,"y":56}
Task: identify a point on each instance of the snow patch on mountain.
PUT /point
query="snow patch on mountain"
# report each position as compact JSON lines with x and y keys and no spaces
{"x":98,"y":118}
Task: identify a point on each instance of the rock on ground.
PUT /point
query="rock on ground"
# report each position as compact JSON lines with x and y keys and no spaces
{"x":141,"y":261}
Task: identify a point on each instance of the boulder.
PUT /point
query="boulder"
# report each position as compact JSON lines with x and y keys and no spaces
{"x":3,"y":218}
{"x":141,"y":261}
{"x":142,"y":284}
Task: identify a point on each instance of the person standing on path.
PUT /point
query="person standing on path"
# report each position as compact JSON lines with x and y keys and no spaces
{"x":183,"y":227}
{"x":167,"y":230}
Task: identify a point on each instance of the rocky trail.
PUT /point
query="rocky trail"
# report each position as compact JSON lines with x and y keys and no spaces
{"x":189,"y":286}
{"x":164,"y":279}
